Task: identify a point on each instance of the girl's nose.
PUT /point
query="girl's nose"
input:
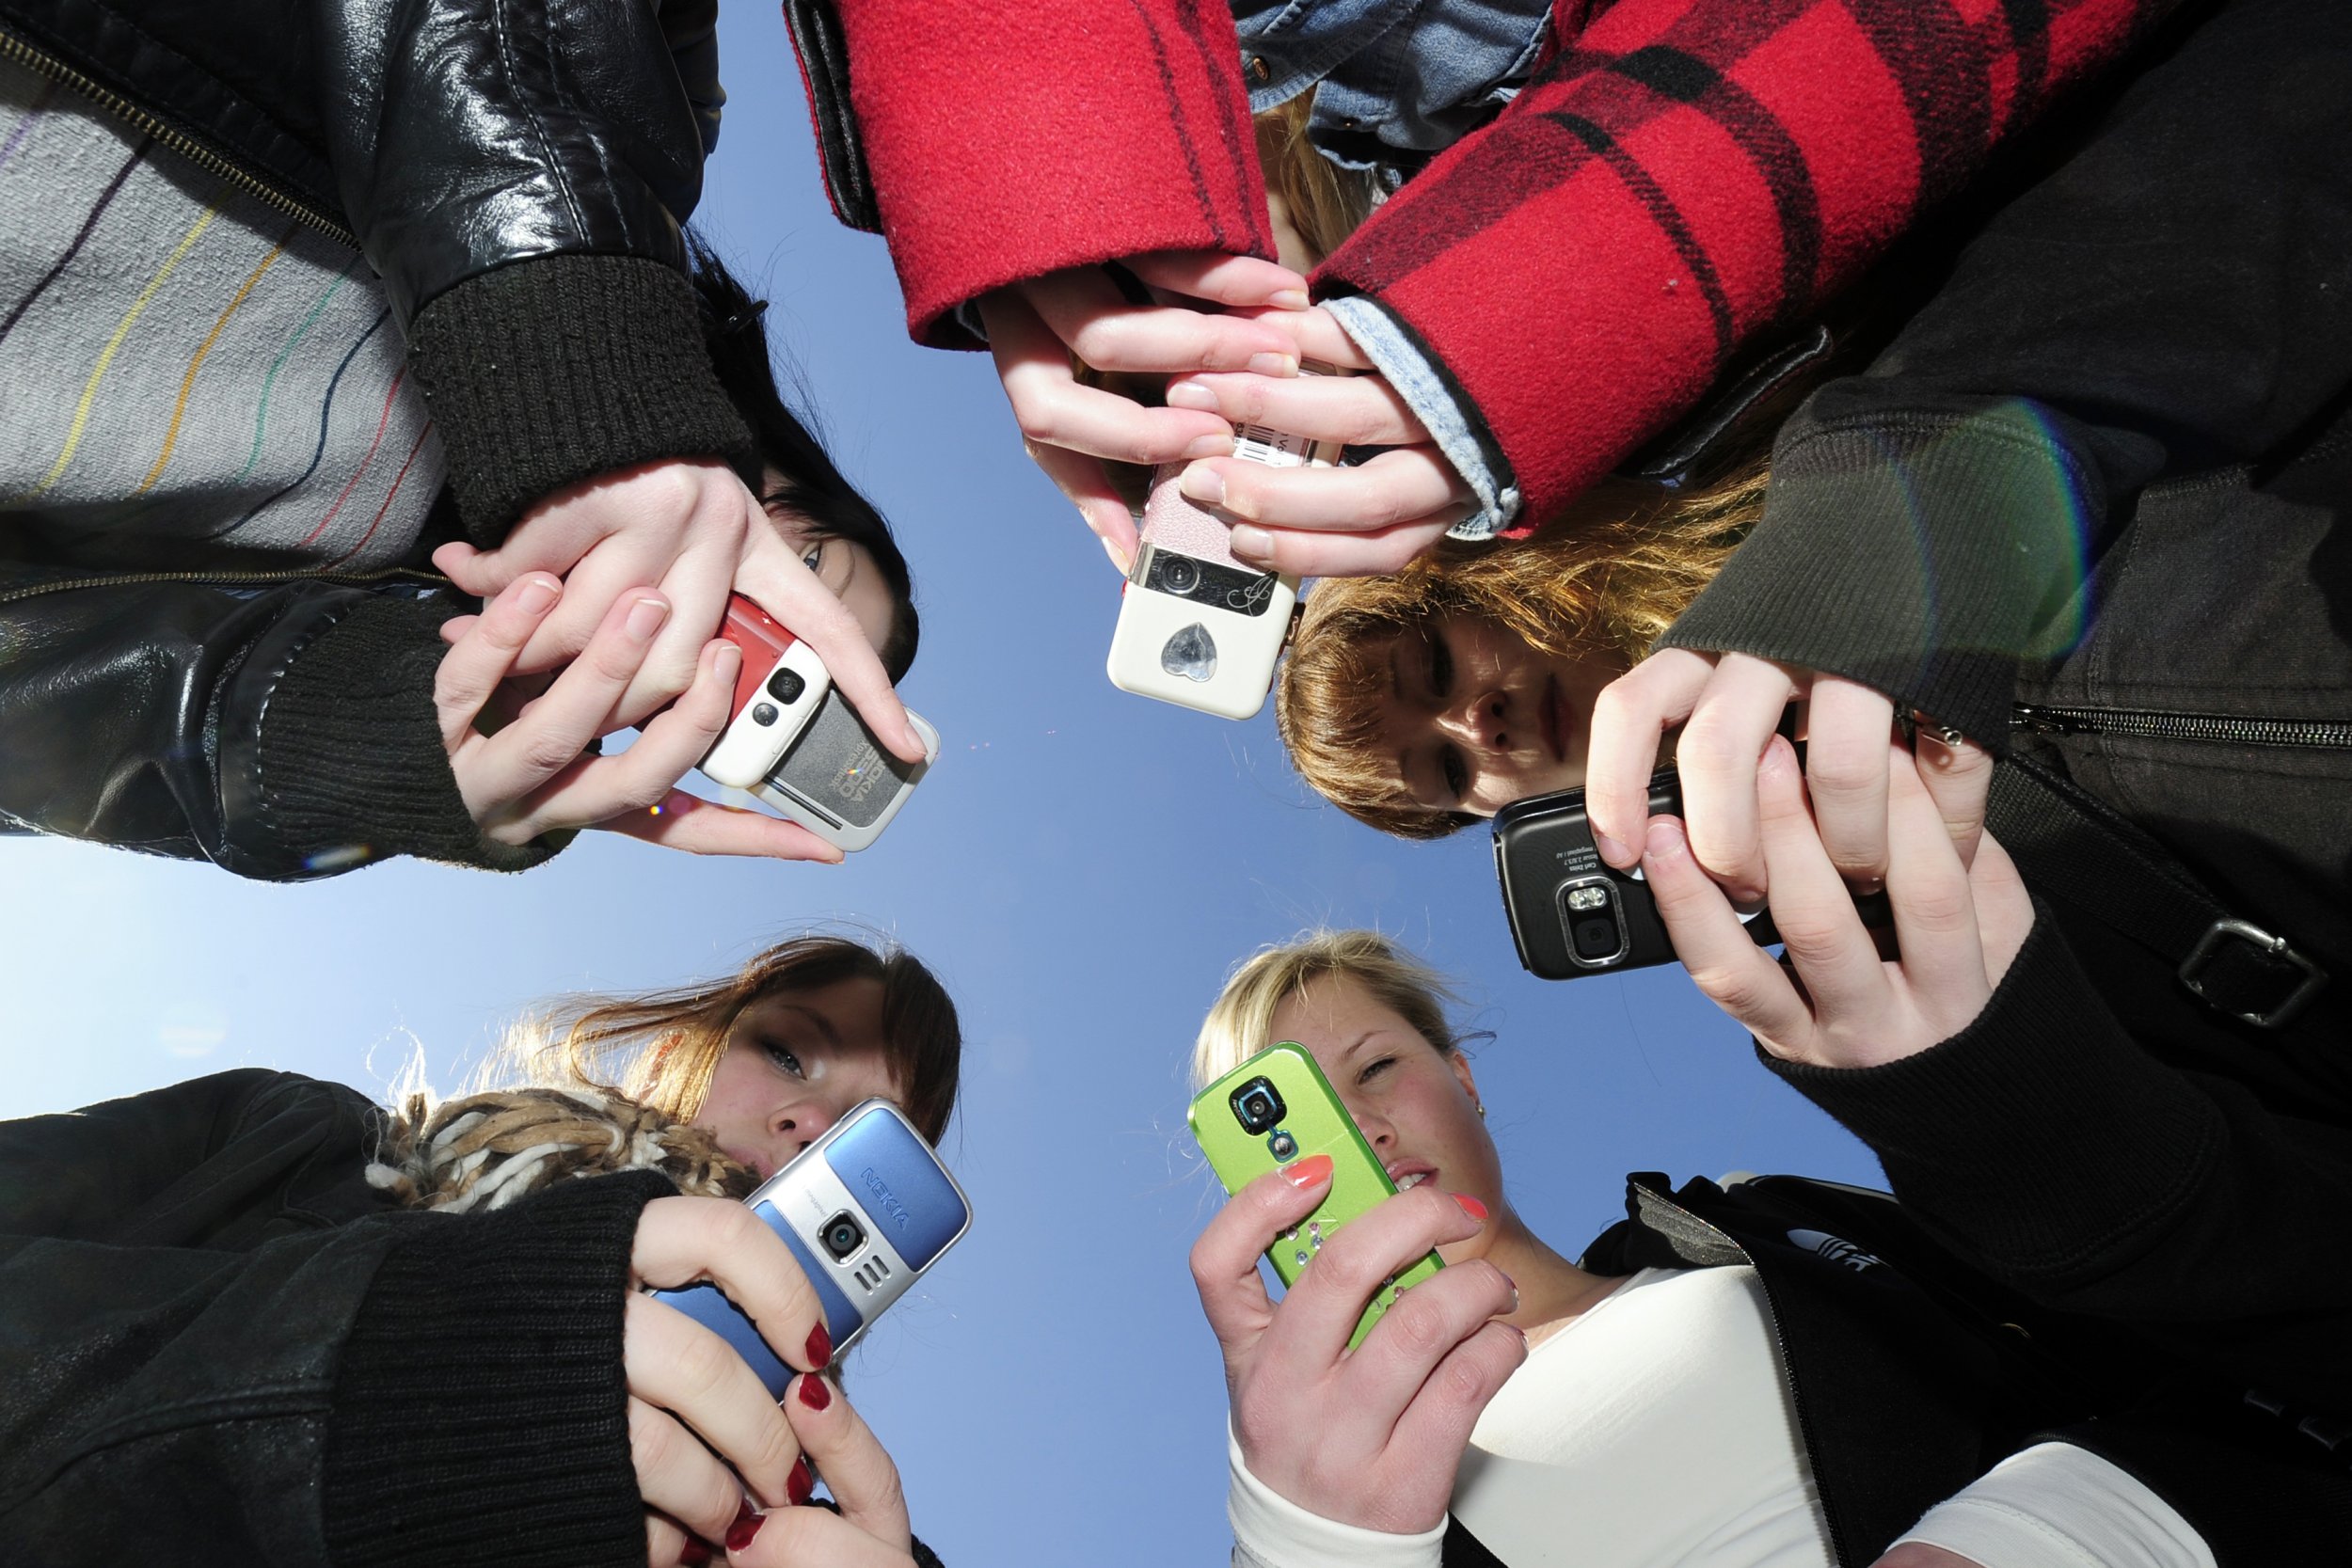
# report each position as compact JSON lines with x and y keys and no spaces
{"x":1477,"y":721}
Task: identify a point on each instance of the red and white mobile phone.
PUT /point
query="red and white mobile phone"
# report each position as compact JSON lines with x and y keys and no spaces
{"x":778,"y":690}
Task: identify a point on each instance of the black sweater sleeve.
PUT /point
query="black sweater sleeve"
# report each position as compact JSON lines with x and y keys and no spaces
{"x":2176,"y":297}
{"x":284,"y":732}
{"x":401,"y":1387}
{"x":2047,"y":1146}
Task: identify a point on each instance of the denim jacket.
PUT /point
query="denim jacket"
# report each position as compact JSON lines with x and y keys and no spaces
{"x":1399,"y":79}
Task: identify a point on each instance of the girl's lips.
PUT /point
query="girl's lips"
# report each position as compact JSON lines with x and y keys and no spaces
{"x":1408,"y":1174}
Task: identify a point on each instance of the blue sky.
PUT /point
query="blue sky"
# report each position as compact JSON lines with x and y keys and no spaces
{"x":1082,"y":868}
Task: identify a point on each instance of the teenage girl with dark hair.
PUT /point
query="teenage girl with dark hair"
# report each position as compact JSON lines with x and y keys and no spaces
{"x":257,"y":1317}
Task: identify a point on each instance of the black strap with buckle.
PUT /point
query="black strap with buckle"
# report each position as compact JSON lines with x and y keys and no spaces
{"x":2073,"y":847}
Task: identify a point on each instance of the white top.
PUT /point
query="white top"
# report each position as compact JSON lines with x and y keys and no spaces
{"x":1658,"y":1429}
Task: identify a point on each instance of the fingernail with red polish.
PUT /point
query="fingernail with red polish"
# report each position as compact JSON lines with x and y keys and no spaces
{"x":1470,"y":1206}
{"x":1311,"y":1171}
{"x":820,"y":1348}
{"x":799,"y":1484}
{"x":814,"y":1392}
{"x":746,"y":1525}
{"x":694,"y":1553}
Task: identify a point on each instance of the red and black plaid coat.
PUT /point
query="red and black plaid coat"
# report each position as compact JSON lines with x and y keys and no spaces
{"x":1678,"y":176}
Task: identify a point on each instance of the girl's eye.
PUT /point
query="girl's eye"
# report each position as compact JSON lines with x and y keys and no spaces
{"x":1365,"y":1076}
{"x":784,"y":1059}
{"x":814,"y":557}
{"x":1455,"y":771}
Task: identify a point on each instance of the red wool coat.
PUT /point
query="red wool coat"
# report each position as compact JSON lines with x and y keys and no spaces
{"x":1679,"y":176}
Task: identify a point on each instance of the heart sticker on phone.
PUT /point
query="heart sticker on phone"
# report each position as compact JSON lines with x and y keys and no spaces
{"x":1191,"y":653}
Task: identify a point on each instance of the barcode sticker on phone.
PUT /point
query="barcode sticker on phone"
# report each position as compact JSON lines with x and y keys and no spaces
{"x":1280,"y":450}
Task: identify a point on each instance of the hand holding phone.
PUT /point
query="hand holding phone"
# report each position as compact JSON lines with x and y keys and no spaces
{"x":795,"y":743}
{"x":1368,"y":1439}
{"x":865,"y":1209}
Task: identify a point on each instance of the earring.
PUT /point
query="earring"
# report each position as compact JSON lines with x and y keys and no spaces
{"x":1481,"y":1109}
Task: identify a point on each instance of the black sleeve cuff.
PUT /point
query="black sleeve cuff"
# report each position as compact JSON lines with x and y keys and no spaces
{"x":479,"y":1410}
{"x":549,"y":371}
{"x":350,"y":765}
{"x":2256,"y":1487}
{"x":1924,"y":554}
{"x":2042,"y":1135}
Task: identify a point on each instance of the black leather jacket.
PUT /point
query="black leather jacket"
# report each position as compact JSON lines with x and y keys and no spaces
{"x":515,"y":174}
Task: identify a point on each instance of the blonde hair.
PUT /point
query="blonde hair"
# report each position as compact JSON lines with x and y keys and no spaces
{"x":1241,"y":1021}
{"x":1324,"y":201}
{"x":659,"y":1049}
{"x":1607,"y":577}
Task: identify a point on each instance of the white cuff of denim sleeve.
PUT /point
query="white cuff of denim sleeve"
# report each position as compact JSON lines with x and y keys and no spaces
{"x":1400,"y":359}
{"x":2058,"y":1505}
{"x":1271,"y":1531}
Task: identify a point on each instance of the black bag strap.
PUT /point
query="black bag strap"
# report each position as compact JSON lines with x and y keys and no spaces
{"x":2075,"y":849}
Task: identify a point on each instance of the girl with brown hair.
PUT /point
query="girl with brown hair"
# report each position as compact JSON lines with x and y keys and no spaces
{"x":333,"y":1332}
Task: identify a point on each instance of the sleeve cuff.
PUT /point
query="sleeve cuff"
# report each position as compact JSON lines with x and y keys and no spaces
{"x":1449,"y":421}
{"x":2041,"y":1093}
{"x":1923,"y":553}
{"x":1271,"y":1531}
{"x":349,"y":766}
{"x":479,"y":1412}
{"x":552,"y":371}
{"x":2064,"y":1507}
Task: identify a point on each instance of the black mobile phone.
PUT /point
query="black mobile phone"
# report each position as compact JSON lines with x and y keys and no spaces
{"x":1571,"y":912}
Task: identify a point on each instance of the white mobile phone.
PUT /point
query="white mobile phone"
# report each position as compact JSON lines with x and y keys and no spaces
{"x":840,"y":782}
{"x":777,"y":692}
{"x":865,"y":1209}
{"x":1196,"y":627}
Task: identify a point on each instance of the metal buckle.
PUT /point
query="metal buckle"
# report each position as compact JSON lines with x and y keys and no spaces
{"x":2202,"y":958}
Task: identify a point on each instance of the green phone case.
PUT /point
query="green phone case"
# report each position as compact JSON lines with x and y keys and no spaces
{"x":1318,"y":1123}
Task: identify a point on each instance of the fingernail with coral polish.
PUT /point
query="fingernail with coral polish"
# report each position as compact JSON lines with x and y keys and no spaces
{"x":1311,"y":1171}
{"x":1273,"y":364}
{"x":1252,"y":543}
{"x":800,"y":1483}
{"x":745,"y":1527}
{"x":1190,"y":394}
{"x":646,"y":617}
{"x":537,"y":598}
{"x":1205,"y":485}
{"x":820,"y":1348}
{"x":814,"y":1392}
{"x":1470,"y":1206}
{"x":1289,"y":299}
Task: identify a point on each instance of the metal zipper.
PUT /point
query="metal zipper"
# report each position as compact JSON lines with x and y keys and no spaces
{"x":226,"y":579}
{"x":2155,"y":724}
{"x":203,"y":157}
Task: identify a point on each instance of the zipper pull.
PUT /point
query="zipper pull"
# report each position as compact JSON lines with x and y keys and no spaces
{"x":2041,"y":720}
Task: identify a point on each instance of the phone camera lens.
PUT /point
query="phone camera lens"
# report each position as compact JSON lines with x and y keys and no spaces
{"x":1257,"y":1107}
{"x":1595,"y":939}
{"x":842,"y":1236}
{"x":786,"y":685}
{"x":765,"y":713}
{"x":1178,"y":576}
